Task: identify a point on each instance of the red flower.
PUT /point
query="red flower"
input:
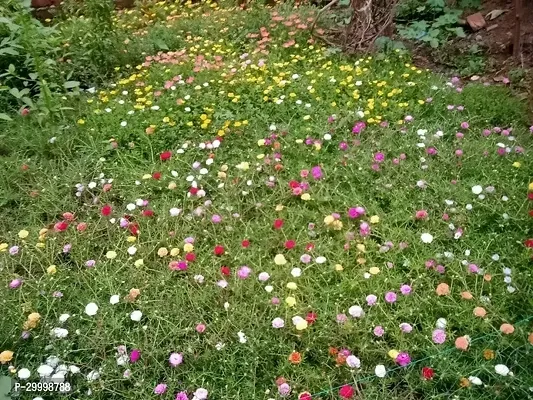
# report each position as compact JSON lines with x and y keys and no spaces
{"x":190,"y":257}
{"x":278,"y":223}
{"x":148,"y":213}
{"x":309,"y":246}
{"x":530,"y":196}
{"x":193,"y":191}
{"x":294,"y":184}
{"x":530,"y":213}
{"x":289,"y":244}
{"x":156,"y":175}
{"x":134,"y":228}
{"x":61,"y":226}
{"x":225,"y":270}
{"x":529,"y":243}
{"x":106,"y":210}
{"x":304,"y":396}
{"x":346,"y":392}
{"x":165,"y":155}
{"x":311,"y":318}
{"x":245,"y":243}
{"x":219,"y":250}
{"x":428,"y":373}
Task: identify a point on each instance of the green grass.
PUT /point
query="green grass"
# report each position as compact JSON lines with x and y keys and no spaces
{"x":39,"y":185}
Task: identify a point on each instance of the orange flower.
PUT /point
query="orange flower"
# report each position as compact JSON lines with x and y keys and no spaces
{"x":295,"y":358}
{"x":488,"y":354}
{"x":507,"y":329}
{"x":462,"y":343}
{"x":341,"y":359}
{"x":487,"y":277}
{"x":280,"y":381}
{"x":466,"y":295}
{"x":333,"y":351}
{"x":442,"y":289}
{"x":464,"y":383}
{"x":530,"y":338}
{"x":480,"y":312}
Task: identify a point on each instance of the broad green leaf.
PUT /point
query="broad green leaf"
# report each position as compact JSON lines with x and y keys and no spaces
{"x":434,"y":43}
{"x":15,"y":92}
{"x":5,"y":117}
{"x":71,"y":84}
{"x":9,"y":50}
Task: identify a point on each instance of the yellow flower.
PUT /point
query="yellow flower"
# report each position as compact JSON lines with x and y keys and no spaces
{"x":329,"y":220}
{"x":32,"y":321}
{"x":139,"y":262}
{"x":374,"y":270}
{"x":393,"y":354}
{"x":261,"y":142}
{"x":147,"y":176}
{"x":361,"y":247}
{"x":374,"y":219}
{"x":301,"y":325}
{"x":40,"y":245}
{"x":337,"y":225}
{"x":23,"y":234}
{"x":6,"y":356}
{"x":111,"y":254}
{"x":81,"y":122}
{"x":162,"y":252}
{"x":174,"y":252}
{"x":290,"y":301}
{"x":279,"y":207}
{"x":243,"y":166}
{"x":292,"y":286}
{"x":3,"y":246}
{"x":260,"y":156}
{"x":339,"y":267}
{"x":131,"y":239}
{"x":280,"y":259}
{"x":52,"y":269}
{"x":530,"y":187}
{"x":188,"y":247}
{"x":305,"y":196}
{"x":517,"y":164}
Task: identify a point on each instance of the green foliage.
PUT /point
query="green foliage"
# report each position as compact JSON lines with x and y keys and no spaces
{"x":429,"y":21}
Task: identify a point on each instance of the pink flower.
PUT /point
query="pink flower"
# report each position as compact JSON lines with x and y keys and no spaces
{"x":465,"y":125}
{"x":390,"y":297}
{"x":358,"y":127}
{"x":15,"y":283}
{"x":421,"y":214}
{"x":135,"y":355}
{"x":200,"y":328}
{"x":439,"y":336}
{"x":379,"y":157}
{"x":379,"y":331}
{"x":364,"y":229}
{"x":304,"y":173}
{"x":175,"y":359}
{"x":284,"y":389}
{"x":432,"y":151}
{"x":405,"y":290}
{"x":405,"y":327}
{"x":356,"y":212}
{"x":244,"y":272}
{"x":341,"y":318}
{"x":458,"y":153}
{"x":216,"y":219}
{"x":371,"y":299}
{"x":160,"y":389}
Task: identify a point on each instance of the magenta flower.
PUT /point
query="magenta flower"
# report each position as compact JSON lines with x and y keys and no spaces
{"x":403,"y":359}
{"x":390,"y":297}
{"x":160,"y":389}
{"x":316,"y":171}
{"x":135,"y":355}
{"x":379,"y":157}
{"x":182,"y":396}
{"x":405,"y":290}
{"x":465,"y":125}
{"x":358,"y":127}
{"x":356,"y":212}
{"x":343,"y":146}
{"x":438,"y":336}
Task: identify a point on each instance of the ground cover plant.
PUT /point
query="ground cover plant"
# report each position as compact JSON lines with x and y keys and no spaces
{"x":248,"y":214}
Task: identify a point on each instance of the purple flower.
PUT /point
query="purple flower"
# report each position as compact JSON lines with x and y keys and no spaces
{"x":189,"y":240}
{"x":379,"y":157}
{"x":67,"y":247}
{"x":216,"y":219}
{"x":379,"y":331}
{"x":405,"y":327}
{"x":405,"y":290}
{"x":316,"y":171}
{"x":358,"y":127}
{"x":14,"y":250}
{"x":57,"y":294}
{"x":90,"y":263}
{"x":371,"y":299}
{"x":390,"y":297}
{"x":160,"y":389}
{"x":439,"y":336}
{"x":403,"y":359}
{"x":244,"y":272}
{"x":135,"y":355}
{"x":25,"y":335}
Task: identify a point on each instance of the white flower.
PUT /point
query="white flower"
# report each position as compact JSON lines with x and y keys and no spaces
{"x":356,"y":311}
{"x":327,"y":136}
{"x":296,"y":320}
{"x":59,"y":333}
{"x":380,"y":371}
{"x":130,"y":207}
{"x":226,"y":306}
{"x":132,"y":250}
{"x":353,"y":362}
{"x":441,"y":323}
{"x":45,"y":371}
{"x":199,"y":278}
{"x":24,"y":373}
{"x":52,"y":361}
{"x":114,"y":299}
{"x":501,"y":369}
{"x":174,"y":212}
{"x":272,"y":127}
{"x":58,"y":377}
{"x":136,"y":315}
{"x":123,"y":123}
{"x":320,"y":260}
{"x":73,"y":369}
{"x":63,"y":317}
{"x":242,"y":337}
{"x":219,"y":346}
{"x":296,"y":272}
{"x":91,"y":309}
{"x":426,"y":237}
{"x":93,"y":375}
{"x":475,"y":380}
{"x":269,"y":288}
{"x":477,"y":189}
{"x":200,"y":394}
